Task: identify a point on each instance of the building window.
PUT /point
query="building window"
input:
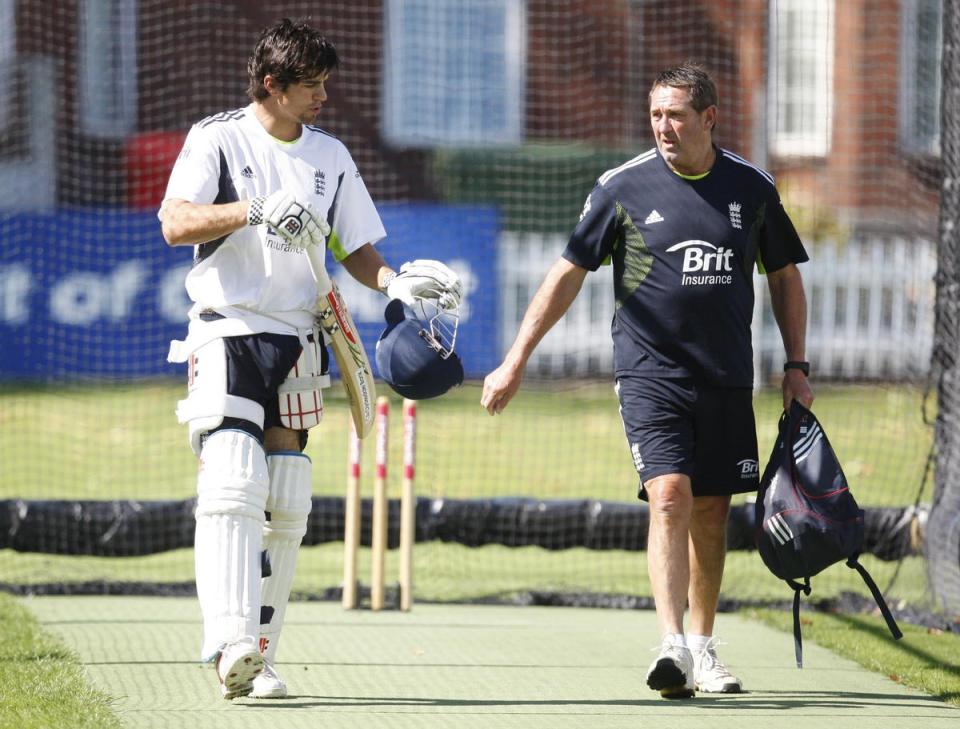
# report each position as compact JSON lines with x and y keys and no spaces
{"x":920,"y":50}
{"x":801,"y":76}
{"x":108,"y":67}
{"x":454,"y":72}
{"x":8,"y":53}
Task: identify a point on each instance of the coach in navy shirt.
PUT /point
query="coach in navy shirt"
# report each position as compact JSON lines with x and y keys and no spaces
{"x":683,"y":225}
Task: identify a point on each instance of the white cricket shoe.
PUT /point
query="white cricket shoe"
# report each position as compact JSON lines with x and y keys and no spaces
{"x":268,"y":685}
{"x":672,"y":672}
{"x":710,"y":675}
{"x":237,"y":665}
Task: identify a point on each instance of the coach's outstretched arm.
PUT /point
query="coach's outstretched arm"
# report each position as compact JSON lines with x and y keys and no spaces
{"x":790,"y":310}
{"x":553,"y":298}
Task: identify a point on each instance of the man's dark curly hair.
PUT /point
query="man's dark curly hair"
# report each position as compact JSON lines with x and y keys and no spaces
{"x":290,"y":51}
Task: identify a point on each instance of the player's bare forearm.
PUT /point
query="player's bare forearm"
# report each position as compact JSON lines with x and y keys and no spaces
{"x":789,"y":304}
{"x":367,"y":266}
{"x":553,"y":298}
{"x":187,"y":223}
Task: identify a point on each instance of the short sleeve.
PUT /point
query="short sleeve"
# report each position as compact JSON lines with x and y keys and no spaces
{"x":353,"y":217}
{"x":593,"y":239}
{"x":779,"y":243}
{"x":196,"y":172}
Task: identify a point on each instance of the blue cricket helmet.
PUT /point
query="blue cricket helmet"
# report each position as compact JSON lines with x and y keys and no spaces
{"x":413,"y":356}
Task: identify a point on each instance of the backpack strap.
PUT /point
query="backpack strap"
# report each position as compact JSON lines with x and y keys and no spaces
{"x":853,"y":563}
{"x":797,"y":637}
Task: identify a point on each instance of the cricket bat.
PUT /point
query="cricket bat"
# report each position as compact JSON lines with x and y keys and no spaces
{"x":352,"y":360}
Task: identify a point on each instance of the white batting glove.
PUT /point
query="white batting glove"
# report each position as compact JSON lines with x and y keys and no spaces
{"x":294,"y":221}
{"x":428,"y":280}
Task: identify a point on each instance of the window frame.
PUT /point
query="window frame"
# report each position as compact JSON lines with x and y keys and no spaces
{"x":8,"y":57}
{"x":107,"y":89}
{"x":413,"y":116}
{"x":910,"y":89}
{"x":816,"y":141}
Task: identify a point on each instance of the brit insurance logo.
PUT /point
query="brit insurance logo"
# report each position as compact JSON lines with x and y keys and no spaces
{"x":704,"y":264}
{"x":749,"y":468}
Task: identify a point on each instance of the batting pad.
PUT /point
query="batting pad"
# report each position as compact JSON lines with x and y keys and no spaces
{"x":288,"y":507}
{"x":232,"y":489}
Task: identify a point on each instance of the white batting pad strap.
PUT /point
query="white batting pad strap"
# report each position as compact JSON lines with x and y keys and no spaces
{"x":205,"y":405}
{"x":288,"y":507}
{"x":232,"y":490}
{"x":319,"y":382}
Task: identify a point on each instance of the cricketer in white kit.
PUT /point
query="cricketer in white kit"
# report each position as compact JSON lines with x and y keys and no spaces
{"x":253,"y":189}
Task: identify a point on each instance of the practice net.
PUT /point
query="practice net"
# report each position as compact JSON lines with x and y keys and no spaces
{"x":479,"y":129}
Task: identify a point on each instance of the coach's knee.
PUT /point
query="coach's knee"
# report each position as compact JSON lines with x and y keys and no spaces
{"x":671,"y":498}
{"x":710,"y":515}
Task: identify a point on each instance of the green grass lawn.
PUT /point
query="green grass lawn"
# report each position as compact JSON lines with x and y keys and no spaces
{"x":41,"y":682}
{"x":554,"y":442}
{"x":925,"y":658}
{"x":562,"y":440}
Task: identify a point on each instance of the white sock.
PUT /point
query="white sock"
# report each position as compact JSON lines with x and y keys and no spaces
{"x":697,"y":642}
{"x":674,"y":639}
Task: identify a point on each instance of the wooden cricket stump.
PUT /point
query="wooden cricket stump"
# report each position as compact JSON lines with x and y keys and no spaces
{"x":408,"y":504}
{"x":378,"y":541}
{"x":381,"y":510}
{"x":351,"y":530}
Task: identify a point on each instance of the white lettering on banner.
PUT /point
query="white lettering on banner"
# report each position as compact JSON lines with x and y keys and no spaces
{"x":83,"y":298}
{"x":15,"y":285}
{"x":174,"y":302}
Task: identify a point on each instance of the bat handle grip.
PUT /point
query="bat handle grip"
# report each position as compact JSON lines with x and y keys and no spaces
{"x":316,"y":256}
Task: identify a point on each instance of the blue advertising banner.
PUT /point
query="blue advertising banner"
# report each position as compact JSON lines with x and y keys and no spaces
{"x":98,"y":294}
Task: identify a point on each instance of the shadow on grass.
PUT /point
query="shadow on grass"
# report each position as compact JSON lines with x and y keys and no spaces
{"x":793,"y":700}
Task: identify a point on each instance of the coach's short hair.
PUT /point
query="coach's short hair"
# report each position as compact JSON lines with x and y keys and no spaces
{"x":694,"y":78}
{"x":290,"y":52}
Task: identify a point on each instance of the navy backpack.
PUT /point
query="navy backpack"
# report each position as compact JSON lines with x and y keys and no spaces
{"x":806,"y":517}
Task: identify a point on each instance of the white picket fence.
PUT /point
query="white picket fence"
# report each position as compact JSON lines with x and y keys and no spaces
{"x":870,"y":310}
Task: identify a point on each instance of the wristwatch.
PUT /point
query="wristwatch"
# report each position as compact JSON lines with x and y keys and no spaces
{"x":387,"y":280}
{"x":804,"y":367}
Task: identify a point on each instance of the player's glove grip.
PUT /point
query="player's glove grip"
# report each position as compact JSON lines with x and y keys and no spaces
{"x":294,"y":221}
{"x":428,"y":280}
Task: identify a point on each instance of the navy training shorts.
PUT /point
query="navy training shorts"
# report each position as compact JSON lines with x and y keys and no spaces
{"x":680,"y":426}
{"x":257,"y":364}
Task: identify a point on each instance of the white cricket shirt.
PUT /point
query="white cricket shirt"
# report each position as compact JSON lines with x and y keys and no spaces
{"x":229,"y":157}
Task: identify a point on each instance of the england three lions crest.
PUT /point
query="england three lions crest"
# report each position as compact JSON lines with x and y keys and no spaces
{"x":735,"y":216}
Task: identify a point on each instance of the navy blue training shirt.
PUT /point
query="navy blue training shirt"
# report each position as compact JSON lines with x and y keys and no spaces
{"x":683,"y":252}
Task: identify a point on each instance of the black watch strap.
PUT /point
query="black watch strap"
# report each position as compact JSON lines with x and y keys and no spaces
{"x":804,"y":367}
